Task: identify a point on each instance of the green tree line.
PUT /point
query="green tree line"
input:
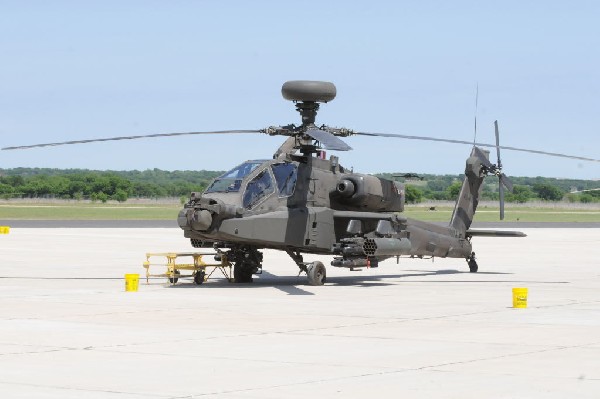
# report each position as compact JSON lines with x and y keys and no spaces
{"x":447,"y":187}
{"x":101,"y":185}
{"x":156,"y":183}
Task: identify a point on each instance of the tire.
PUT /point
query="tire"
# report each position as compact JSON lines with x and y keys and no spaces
{"x":175,"y":278}
{"x":473,"y":266}
{"x":199,"y":277}
{"x":242,"y":273}
{"x":316,"y":273}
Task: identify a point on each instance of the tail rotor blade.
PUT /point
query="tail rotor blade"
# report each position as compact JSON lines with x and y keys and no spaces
{"x":497,"y":144}
{"x":505,"y":181}
{"x":501,"y":192}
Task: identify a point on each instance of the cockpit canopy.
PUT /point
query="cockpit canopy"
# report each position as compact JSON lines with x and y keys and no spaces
{"x":272,"y":177}
{"x":232,"y":180}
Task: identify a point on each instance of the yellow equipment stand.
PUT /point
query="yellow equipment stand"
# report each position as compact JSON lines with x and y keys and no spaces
{"x":198,"y":267}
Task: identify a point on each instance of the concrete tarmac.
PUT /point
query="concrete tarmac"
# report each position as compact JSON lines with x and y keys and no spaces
{"x":417,"y":329}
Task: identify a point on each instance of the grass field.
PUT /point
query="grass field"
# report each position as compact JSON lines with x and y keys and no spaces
{"x":97,"y":211}
{"x":86,"y":211}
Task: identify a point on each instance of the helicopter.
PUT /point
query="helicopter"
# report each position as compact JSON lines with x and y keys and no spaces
{"x":301,"y":202}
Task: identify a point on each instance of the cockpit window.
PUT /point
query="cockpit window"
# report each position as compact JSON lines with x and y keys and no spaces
{"x":232,"y":180}
{"x":286,"y":175}
{"x":258,"y":188}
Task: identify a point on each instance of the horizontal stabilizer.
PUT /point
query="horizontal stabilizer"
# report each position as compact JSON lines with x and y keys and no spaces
{"x":494,"y":233}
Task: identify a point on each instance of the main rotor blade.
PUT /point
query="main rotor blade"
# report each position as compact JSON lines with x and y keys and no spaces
{"x":328,"y":140}
{"x":402,"y":136}
{"x":145,"y":136}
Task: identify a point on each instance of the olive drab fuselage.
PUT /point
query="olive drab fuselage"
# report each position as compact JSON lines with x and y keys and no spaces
{"x":306,"y":204}
{"x":300,"y":202}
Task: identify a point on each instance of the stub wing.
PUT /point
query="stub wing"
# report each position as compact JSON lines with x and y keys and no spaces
{"x":369,"y":216}
{"x":494,"y":233}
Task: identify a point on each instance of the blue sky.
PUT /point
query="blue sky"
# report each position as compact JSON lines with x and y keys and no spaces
{"x":76,"y":70}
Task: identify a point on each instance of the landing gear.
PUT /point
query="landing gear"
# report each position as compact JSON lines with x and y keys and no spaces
{"x":248,"y":261}
{"x":316,"y":273}
{"x":242,"y":272}
{"x":472,"y":263}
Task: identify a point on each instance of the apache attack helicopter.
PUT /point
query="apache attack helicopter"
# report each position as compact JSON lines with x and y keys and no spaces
{"x":300,"y":202}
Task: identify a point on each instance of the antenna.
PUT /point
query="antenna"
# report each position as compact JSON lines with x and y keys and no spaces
{"x":476,"y":101}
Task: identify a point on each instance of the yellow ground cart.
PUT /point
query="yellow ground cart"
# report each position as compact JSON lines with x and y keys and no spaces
{"x":200,"y":270}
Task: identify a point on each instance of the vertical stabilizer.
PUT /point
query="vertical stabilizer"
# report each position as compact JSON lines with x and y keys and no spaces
{"x":467,"y":201}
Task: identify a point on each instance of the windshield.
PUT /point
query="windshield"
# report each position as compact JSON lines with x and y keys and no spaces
{"x":286,"y":175}
{"x":258,"y":188}
{"x":232,"y":180}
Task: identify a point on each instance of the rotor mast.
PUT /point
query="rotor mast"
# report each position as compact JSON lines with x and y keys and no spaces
{"x":308,"y":111}
{"x":307,"y":94}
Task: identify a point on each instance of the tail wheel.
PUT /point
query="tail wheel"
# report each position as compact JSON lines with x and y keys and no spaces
{"x":472,"y":263}
{"x":316,"y":273}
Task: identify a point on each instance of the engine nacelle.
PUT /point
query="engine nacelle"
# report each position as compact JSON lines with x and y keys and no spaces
{"x":367,"y":193}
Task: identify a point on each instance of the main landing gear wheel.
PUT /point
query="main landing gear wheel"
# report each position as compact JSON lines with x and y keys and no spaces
{"x":472,"y":263}
{"x":199,"y":277}
{"x":316,"y":273}
{"x":242,"y":272}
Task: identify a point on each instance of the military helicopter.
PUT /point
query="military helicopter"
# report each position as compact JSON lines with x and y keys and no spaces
{"x":301,"y":202}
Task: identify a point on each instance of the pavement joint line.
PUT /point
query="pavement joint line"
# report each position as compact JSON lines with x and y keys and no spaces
{"x":581,"y":378}
{"x":367,"y":375}
{"x":38,"y":352}
{"x":145,"y":394}
{"x":551,"y":349}
{"x":364,"y":375}
{"x":294,"y":331}
{"x":32,"y":345}
{"x":565,"y":304}
{"x":204,"y":356}
{"x":305,"y":330}
{"x":427,"y":340}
